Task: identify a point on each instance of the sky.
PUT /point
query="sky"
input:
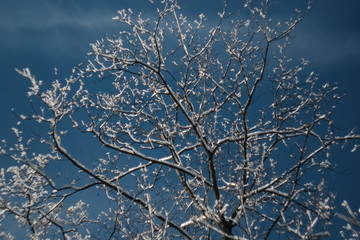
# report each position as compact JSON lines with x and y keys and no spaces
{"x":44,"y":34}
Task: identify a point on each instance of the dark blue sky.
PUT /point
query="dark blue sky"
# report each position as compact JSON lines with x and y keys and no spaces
{"x":43,"y":34}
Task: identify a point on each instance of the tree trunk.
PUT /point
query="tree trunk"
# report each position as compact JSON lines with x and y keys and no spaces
{"x":226,"y":227}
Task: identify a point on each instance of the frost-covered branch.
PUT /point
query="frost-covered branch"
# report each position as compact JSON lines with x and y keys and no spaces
{"x":179,"y":127}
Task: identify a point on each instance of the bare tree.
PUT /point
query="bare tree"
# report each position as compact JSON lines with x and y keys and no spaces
{"x":351,"y":229}
{"x":194,"y":130}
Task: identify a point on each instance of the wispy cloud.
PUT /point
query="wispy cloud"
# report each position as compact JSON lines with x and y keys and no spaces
{"x":328,"y":48}
{"x":330,"y":34}
{"x":48,"y":14}
{"x":49,"y":27}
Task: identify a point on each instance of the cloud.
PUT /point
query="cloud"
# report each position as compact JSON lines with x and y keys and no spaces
{"x":67,"y":27}
{"x":330,"y":34}
{"x":328,"y":48}
{"x":48,"y":14}
{"x":52,"y":27}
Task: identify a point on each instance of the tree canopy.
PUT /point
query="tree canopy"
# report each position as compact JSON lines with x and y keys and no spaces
{"x":193,"y":129}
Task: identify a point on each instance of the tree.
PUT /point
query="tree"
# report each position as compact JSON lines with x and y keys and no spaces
{"x":352,"y":227}
{"x":194,"y":132}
